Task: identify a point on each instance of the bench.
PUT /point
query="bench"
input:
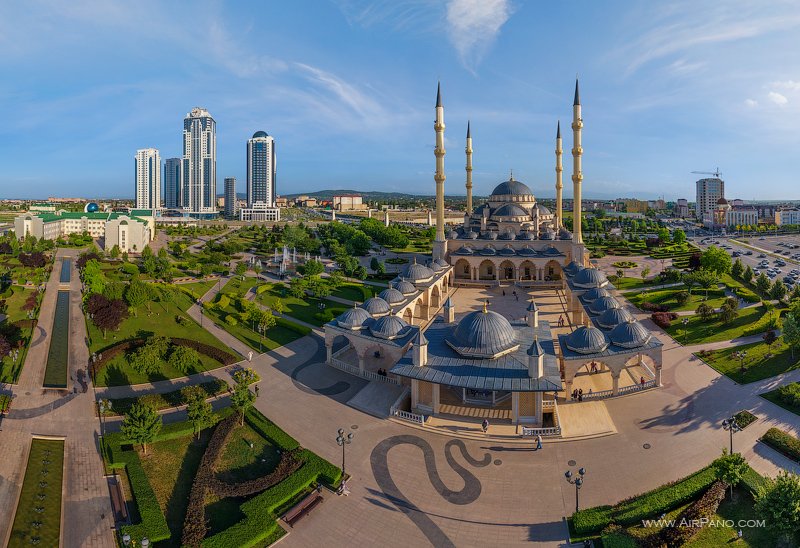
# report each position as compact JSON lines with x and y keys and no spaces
{"x":302,"y":508}
{"x":118,"y":504}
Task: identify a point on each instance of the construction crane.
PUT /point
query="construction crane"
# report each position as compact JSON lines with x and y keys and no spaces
{"x":714,"y":173}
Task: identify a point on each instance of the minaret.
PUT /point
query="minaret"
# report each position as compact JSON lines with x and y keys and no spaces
{"x":333,"y":214}
{"x":386,"y":216}
{"x":559,"y":184}
{"x":468,"y":150}
{"x":439,"y":177}
{"x":577,"y":173}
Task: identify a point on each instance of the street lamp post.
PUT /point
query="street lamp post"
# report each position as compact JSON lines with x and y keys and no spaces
{"x":685,"y":322}
{"x":731,"y":426}
{"x":104,"y":405}
{"x":200,"y":304}
{"x":343,"y":440}
{"x":740,"y":355}
{"x":577,"y":482}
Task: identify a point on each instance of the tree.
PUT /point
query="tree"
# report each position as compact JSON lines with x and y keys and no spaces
{"x":360,"y":273}
{"x":319,"y":288}
{"x":769,"y":338}
{"x":678,"y":236}
{"x":791,"y":331}
{"x":689,"y":279}
{"x":778,"y":291}
{"x":728,"y":313}
{"x":795,"y":296}
{"x":730,"y":468}
{"x":147,"y":359}
{"x":704,"y":311}
{"x":5,"y":346}
{"x":93,"y":277}
{"x":241,"y":397}
{"x":312,"y":268}
{"x":706,"y":279}
{"x":663,"y":235}
{"x":374,"y":264}
{"x":183,"y":358}
{"x":198,"y":410}
{"x":682,"y":297}
{"x":278,"y":307}
{"x":763,"y":285}
{"x":141,"y":424}
{"x":297,"y":287}
{"x":110,"y":316}
{"x":716,"y":260}
{"x":240,"y":269}
{"x":779,"y":503}
{"x":138,"y":293}
{"x":645,"y":273}
{"x":737,"y":269}
{"x":747,"y":275}
{"x":115,"y":252}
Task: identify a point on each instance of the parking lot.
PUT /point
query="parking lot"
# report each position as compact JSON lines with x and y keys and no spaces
{"x":778,"y":257}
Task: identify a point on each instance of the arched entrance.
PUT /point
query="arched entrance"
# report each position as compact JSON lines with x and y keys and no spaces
{"x":552,"y":270}
{"x":487,"y":270}
{"x":506,"y":270}
{"x":462,"y":270}
{"x":527,"y":270}
{"x":435,"y":297}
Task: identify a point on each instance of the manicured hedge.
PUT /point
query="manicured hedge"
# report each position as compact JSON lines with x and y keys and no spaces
{"x":653,"y":503}
{"x":5,"y":403}
{"x":695,"y":514}
{"x":783,"y":442}
{"x":753,"y":481}
{"x":292,"y":326}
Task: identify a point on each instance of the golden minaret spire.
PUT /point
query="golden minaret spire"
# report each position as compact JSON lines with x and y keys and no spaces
{"x":559,"y":183}
{"x":439,"y":176}
{"x":468,"y":150}
{"x":577,"y":173}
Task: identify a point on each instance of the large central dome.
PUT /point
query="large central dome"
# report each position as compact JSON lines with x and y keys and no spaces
{"x":483,"y":334}
{"x":512,"y":188}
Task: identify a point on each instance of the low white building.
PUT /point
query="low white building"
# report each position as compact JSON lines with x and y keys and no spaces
{"x":129,"y":232}
{"x":260,"y":212}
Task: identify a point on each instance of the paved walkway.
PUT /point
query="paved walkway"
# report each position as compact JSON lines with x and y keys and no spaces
{"x":87,"y":517}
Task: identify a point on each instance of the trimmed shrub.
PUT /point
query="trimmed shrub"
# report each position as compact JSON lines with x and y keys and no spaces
{"x":263,"y":289}
{"x":653,"y":307}
{"x":745,"y":418}
{"x":290,"y":325}
{"x":702,"y":509}
{"x":783,"y":442}
{"x":232,"y":319}
{"x":663,"y":319}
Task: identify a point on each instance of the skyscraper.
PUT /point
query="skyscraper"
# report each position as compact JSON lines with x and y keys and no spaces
{"x":230,"y":197}
{"x":147,"y":167}
{"x":709,"y":192}
{"x":261,"y":172}
{"x":172,"y":183}
{"x":199,"y":170}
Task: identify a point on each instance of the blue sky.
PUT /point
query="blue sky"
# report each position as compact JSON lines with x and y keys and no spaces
{"x":347,"y":88}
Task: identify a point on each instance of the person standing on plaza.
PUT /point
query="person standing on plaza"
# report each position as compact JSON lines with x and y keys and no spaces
{"x":485,"y":425}
{"x":538,"y":442}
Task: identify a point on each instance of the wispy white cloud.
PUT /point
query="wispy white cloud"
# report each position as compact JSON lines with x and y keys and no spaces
{"x":399,"y":14}
{"x":786,"y":84}
{"x":473,"y":26}
{"x":687,"y":26}
{"x":777,"y":98}
{"x":752,"y":103}
{"x":684,"y":66}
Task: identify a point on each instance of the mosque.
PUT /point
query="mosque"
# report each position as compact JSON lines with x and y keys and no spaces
{"x":484,"y":360}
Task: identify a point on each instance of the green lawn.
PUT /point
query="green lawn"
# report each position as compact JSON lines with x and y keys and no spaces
{"x":758,"y":363}
{"x":161,"y":320}
{"x":197,"y":289}
{"x":303,"y":309}
{"x":283,"y":333}
{"x":739,"y":508}
{"x":15,"y":299}
{"x":626,"y":283}
{"x":355,"y":292}
{"x":15,"y":302}
{"x":750,"y":321}
{"x":38,"y":517}
{"x":774,"y":397}
{"x":171,"y":466}
{"x":20,"y":274}
{"x":667,"y":297}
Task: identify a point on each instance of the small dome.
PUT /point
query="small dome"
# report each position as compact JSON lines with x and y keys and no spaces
{"x":417,"y":273}
{"x":527,"y":252}
{"x":452,"y":235}
{"x":259,"y":134}
{"x":488,"y":250}
{"x":353,"y":318}
{"x":441,"y":263}
{"x":630,"y":334}
{"x":510,"y":188}
{"x":590,"y":277}
{"x":594,"y":294}
{"x":573,"y":268}
{"x":564,"y":234}
{"x":472,"y":235}
{"x":489,"y":235}
{"x":466,"y":250}
{"x":392,"y":296}
{"x":548,"y":234}
{"x":376,"y":306}
{"x":542,"y":210}
{"x":406,"y":288}
{"x":602,"y":304}
{"x":613,"y":317}
{"x":722,"y":201}
{"x":507,"y":236}
{"x":483,"y":334}
{"x":507,"y":252}
{"x":525,"y":235}
{"x":551,"y":251}
{"x":586,"y":340}
{"x":389,"y":327}
{"x":510,"y":210}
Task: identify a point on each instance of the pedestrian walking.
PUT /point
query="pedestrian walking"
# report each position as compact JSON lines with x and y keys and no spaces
{"x":256,"y":390}
{"x":504,"y":293}
{"x":485,"y":425}
{"x":538,"y":442}
{"x":642,"y":382}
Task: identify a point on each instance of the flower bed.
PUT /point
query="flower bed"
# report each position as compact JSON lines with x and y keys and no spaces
{"x":783,"y":442}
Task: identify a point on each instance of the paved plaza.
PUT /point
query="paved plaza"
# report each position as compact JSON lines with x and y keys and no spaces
{"x":411,"y":485}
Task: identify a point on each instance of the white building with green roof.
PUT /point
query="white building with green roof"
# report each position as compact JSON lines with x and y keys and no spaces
{"x":129,"y":231}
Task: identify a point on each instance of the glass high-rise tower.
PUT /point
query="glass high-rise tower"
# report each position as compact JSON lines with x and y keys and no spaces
{"x":230,"y":197}
{"x":261,"y":170}
{"x":199,"y":170}
{"x":147,"y":166}
{"x":173,"y":196}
